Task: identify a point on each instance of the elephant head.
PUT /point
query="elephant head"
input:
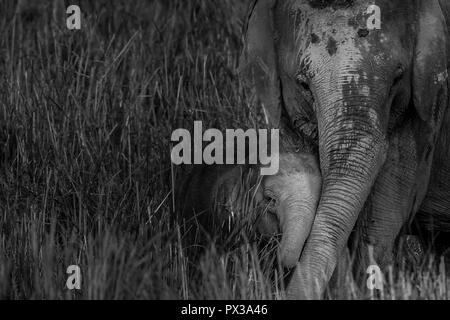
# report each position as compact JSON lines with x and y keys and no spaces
{"x":290,"y":200}
{"x":358,"y":74}
{"x":285,"y":202}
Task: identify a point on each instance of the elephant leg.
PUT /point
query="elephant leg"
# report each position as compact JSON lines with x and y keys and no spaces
{"x":396,"y":196}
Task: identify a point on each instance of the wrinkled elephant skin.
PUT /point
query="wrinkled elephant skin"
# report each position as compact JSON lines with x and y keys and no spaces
{"x":376,"y":99}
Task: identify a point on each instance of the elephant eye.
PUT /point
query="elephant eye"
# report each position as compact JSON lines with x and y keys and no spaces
{"x":270,"y":201}
{"x":305,"y":91}
{"x":301,"y":82}
{"x":399,"y":71}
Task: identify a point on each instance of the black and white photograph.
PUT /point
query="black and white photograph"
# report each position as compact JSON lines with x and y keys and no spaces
{"x":242,"y":151}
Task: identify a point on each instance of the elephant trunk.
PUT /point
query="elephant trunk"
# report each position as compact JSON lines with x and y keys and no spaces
{"x":352,"y":150}
{"x":298,"y":204}
{"x":296,"y":226}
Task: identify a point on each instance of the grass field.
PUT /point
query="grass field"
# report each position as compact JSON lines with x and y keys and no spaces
{"x":85,"y":172}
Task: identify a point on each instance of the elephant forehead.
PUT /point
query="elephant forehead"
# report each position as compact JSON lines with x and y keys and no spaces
{"x":329,"y":20}
{"x":302,"y":185}
{"x":329,"y":24}
{"x":328,"y":37}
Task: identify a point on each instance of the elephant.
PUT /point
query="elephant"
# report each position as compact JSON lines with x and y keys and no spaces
{"x":373,"y":97}
{"x":212,"y":195}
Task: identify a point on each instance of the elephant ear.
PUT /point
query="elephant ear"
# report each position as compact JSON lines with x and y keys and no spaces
{"x":258,"y":63}
{"x":431,"y":61}
{"x":445,"y":6}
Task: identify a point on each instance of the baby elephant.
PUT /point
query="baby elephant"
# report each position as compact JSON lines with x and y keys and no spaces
{"x":212,"y":196}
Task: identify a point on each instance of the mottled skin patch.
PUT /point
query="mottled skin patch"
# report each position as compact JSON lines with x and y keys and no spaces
{"x":363,"y":32}
{"x":331,"y":46}
{"x":314,"y":38}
